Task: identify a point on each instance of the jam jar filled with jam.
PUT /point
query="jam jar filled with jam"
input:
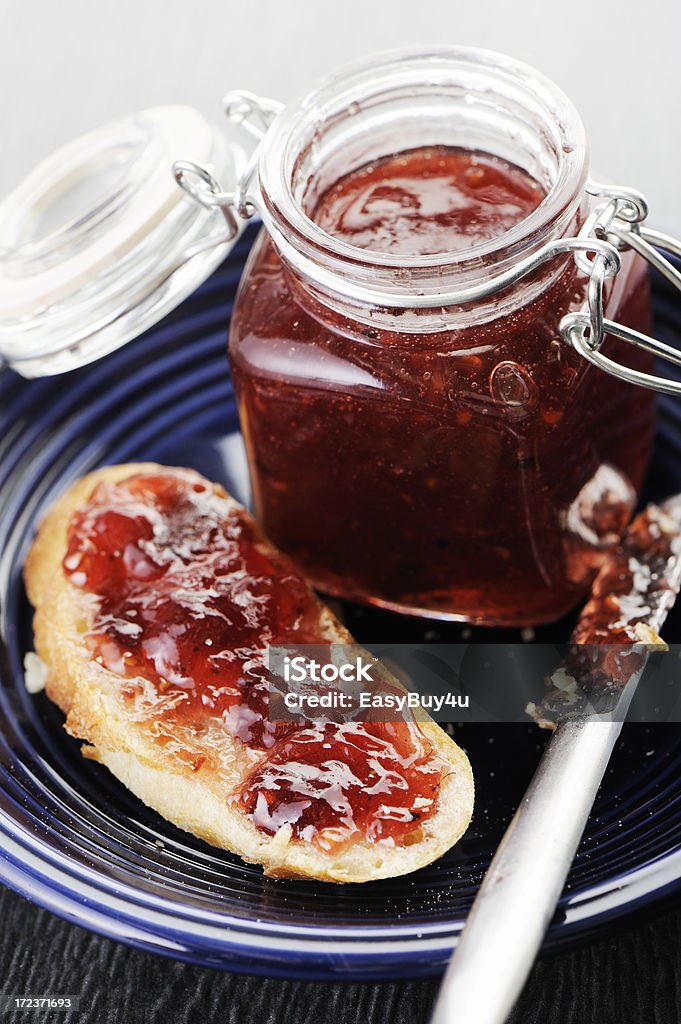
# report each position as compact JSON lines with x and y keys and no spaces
{"x":437,"y":334}
{"x":418,"y":439}
{"x":458,"y":459}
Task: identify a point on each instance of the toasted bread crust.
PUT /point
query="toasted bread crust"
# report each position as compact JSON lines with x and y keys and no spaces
{"x":195,"y":801}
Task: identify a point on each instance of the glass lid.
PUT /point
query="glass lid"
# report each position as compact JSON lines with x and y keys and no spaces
{"x":98,"y":242}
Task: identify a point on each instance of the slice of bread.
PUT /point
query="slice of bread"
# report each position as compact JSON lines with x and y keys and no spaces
{"x":192,"y":775}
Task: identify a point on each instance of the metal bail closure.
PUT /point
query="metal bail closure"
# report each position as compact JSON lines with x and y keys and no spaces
{"x":254,"y":114}
{"x":98,"y":243}
{"x":618,"y":222}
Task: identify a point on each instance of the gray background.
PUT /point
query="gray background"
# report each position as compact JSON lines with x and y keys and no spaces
{"x":67,"y":66}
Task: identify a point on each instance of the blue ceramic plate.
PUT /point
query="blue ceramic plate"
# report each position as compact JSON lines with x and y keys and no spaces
{"x":75,"y":841}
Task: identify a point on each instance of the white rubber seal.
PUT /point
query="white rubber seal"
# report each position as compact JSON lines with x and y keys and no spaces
{"x":98,"y":242}
{"x":170,"y":131}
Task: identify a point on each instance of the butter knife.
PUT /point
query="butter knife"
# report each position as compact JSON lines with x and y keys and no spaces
{"x":518,"y":896}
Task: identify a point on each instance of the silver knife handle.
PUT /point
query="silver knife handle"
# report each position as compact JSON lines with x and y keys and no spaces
{"x":517,"y":898}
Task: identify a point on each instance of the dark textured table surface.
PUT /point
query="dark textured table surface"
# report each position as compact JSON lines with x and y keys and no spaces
{"x":632,"y":977}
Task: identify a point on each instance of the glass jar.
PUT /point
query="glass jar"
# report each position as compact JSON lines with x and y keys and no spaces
{"x":458,"y":460}
{"x":448,"y":433}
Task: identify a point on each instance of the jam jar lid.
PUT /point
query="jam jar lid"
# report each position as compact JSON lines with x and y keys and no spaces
{"x":98,"y":243}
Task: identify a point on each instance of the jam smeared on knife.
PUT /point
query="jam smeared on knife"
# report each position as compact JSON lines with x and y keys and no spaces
{"x":630,"y":599}
{"x":188,"y":598}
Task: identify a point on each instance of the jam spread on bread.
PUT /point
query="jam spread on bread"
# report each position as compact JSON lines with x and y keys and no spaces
{"x":188,"y":599}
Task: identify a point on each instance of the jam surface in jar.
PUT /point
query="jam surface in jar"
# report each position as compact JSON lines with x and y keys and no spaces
{"x":428,"y":200}
{"x":187,"y":602}
{"x":475,"y":473}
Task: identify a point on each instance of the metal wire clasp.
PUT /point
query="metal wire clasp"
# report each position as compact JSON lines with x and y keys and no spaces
{"x":255,"y":114}
{"x":618,"y":221}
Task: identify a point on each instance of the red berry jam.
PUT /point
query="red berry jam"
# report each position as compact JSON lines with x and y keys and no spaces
{"x":476,"y":473}
{"x":428,"y":201}
{"x":636,"y":581}
{"x":188,"y":601}
{"x":620,"y":622}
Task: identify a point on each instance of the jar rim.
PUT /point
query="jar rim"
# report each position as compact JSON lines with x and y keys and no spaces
{"x":287,"y":219}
